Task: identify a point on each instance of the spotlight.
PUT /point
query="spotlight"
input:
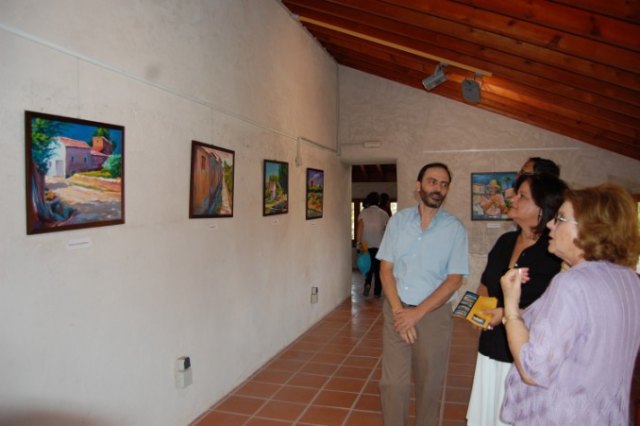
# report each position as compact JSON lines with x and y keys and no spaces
{"x":471,"y":90}
{"x":436,"y":79}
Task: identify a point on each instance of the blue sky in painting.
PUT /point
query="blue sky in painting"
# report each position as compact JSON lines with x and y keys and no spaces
{"x":484,"y":178}
{"x":273,"y":169}
{"x":84,"y":133}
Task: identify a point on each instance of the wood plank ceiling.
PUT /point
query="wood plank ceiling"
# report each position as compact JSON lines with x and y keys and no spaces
{"x":568,"y":66}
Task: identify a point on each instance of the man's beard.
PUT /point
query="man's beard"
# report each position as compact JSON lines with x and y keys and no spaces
{"x":432,"y":199}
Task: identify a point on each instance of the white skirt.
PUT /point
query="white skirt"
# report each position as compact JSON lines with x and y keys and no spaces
{"x":487,"y":393}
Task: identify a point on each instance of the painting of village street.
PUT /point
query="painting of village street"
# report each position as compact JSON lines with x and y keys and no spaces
{"x":276,"y":188}
{"x":315,"y":192}
{"x":211,"y":181}
{"x":75,"y":173}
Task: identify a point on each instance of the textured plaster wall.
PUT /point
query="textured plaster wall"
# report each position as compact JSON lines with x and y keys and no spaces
{"x":416,"y":127}
{"x":90,"y":336}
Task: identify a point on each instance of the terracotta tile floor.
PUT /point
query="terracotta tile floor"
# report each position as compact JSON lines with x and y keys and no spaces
{"x":329,"y":375}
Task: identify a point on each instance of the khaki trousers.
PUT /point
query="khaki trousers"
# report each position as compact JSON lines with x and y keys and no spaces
{"x":427,"y":357}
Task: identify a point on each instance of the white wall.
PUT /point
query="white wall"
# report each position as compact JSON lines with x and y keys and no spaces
{"x":90,"y":336}
{"x":416,"y":127}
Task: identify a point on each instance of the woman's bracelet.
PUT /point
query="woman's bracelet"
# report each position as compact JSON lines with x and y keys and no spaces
{"x":507,"y":318}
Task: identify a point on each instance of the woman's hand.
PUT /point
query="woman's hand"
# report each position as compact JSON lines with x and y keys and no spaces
{"x":511,"y":283}
{"x":496,"y":316}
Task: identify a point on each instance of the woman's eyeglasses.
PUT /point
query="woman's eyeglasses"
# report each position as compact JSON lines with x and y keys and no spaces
{"x":559,"y":218}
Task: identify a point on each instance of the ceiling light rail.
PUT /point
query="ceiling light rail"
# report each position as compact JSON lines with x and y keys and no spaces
{"x":394,"y":46}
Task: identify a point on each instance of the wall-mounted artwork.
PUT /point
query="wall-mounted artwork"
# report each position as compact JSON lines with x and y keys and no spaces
{"x":490,"y":194}
{"x":315,"y":193}
{"x":275,"y":189}
{"x":211,"y":189}
{"x":75,"y":173}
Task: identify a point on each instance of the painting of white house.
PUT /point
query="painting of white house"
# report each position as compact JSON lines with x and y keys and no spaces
{"x":75,"y":173}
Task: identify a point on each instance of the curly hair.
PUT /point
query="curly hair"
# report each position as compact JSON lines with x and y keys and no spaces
{"x":547,"y":192}
{"x":607,"y":224}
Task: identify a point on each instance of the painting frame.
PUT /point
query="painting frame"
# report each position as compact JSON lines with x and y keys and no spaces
{"x":490,"y":192}
{"x":314,"y":200}
{"x":275,"y":187}
{"x":211,"y":165}
{"x":75,"y":173}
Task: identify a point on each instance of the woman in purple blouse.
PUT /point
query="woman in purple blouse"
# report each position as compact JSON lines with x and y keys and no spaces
{"x":574,"y":349}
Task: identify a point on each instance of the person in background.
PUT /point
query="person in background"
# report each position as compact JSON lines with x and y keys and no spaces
{"x":533,"y":166}
{"x":537,"y":200}
{"x":574,"y":349}
{"x":538,"y":166}
{"x":424,"y":256}
{"x":371,"y":224}
{"x":385,"y":203}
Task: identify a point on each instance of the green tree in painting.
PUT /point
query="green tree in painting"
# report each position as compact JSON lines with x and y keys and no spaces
{"x":42,"y":149}
{"x":113,"y":165}
{"x":42,"y":134}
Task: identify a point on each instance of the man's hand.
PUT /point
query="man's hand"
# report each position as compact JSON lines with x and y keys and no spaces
{"x":410,"y":336}
{"x":405,"y":319}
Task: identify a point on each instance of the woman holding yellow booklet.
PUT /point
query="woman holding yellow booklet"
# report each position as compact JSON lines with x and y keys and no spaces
{"x":537,"y":200}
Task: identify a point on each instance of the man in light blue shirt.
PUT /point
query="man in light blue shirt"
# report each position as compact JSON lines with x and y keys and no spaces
{"x":424,"y":255}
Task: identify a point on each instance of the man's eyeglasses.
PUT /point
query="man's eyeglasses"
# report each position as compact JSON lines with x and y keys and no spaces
{"x":559,"y":218}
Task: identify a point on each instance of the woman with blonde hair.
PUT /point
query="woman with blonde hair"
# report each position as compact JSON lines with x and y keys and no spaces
{"x":574,"y":349}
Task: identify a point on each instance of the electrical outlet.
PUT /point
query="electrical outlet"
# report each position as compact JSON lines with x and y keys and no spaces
{"x":314,"y":294}
{"x":183,"y":373}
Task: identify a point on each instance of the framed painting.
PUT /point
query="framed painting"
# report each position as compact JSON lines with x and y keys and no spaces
{"x":275,"y":189}
{"x":74,"y":173}
{"x":211,"y":188}
{"x":315,"y":193}
{"x":490,"y":193}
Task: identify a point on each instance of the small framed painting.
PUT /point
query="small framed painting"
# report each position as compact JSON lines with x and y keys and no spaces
{"x":490,"y":194}
{"x":74,"y":173}
{"x":275,"y":189}
{"x":315,"y":193}
{"x":211,"y":188}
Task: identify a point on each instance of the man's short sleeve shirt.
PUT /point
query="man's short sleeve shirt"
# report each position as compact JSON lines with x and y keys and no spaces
{"x":422,"y":259}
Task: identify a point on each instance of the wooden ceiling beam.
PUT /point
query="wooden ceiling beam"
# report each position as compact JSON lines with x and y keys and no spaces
{"x":565,"y":19}
{"x":618,"y":9}
{"x":463,"y":45}
{"x":608,"y":108}
{"x":542,"y":23}
{"x":588,"y":57}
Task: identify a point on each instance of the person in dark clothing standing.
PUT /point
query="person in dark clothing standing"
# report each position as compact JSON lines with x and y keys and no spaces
{"x":537,"y":199}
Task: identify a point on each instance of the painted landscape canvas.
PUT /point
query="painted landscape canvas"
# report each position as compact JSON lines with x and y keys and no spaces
{"x":74,"y":173}
{"x":315,"y":193}
{"x":275,"y":189}
{"x":212,"y":173}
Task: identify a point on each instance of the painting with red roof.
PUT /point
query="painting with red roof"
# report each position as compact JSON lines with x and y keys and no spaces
{"x":74,"y":173}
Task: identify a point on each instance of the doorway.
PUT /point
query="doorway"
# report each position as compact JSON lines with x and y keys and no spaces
{"x":366,"y":178}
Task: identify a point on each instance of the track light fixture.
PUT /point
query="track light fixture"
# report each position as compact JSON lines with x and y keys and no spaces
{"x":471,"y":89}
{"x":436,"y":79}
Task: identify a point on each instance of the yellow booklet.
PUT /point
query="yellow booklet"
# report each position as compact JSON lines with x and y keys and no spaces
{"x":470,"y":307}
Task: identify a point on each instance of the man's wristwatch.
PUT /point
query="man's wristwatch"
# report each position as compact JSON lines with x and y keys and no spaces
{"x":507,"y":318}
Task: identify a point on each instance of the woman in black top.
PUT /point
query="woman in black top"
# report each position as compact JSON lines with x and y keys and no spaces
{"x":537,"y":200}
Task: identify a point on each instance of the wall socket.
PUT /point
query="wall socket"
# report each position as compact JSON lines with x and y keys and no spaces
{"x":183,"y":372}
{"x":314,"y":294}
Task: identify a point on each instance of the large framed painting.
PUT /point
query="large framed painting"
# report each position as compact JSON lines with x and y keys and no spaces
{"x":490,"y":193}
{"x":74,"y":173}
{"x":211,"y":189}
{"x":275,"y":189}
{"x":315,"y":193}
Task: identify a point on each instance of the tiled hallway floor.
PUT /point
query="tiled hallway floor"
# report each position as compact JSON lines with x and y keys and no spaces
{"x":329,"y":375}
